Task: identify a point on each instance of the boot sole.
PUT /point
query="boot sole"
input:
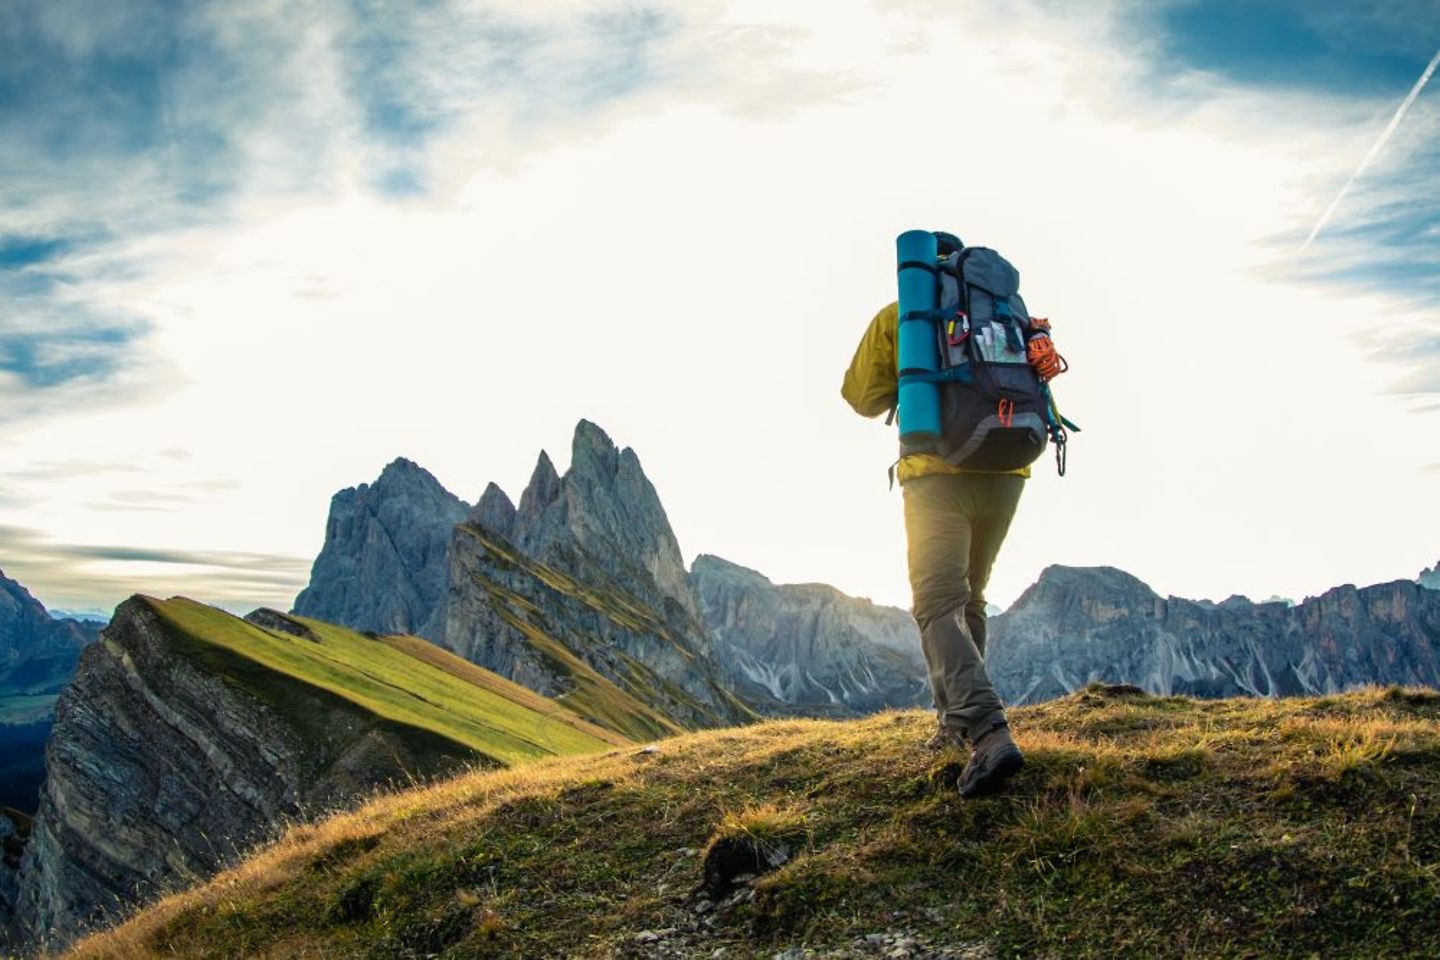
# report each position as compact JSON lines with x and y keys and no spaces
{"x":1006,"y":766}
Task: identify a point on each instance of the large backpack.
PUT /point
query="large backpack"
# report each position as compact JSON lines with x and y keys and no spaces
{"x":996,"y":413}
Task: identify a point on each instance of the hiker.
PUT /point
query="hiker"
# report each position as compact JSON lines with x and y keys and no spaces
{"x":967,"y":343}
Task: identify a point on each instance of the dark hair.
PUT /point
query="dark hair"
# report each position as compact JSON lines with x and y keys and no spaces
{"x":948,"y":243}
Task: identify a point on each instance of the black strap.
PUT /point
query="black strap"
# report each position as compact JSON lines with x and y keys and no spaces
{"x":943,"y":313}
{"x":948,"y":375}
{"x":919,"y":265}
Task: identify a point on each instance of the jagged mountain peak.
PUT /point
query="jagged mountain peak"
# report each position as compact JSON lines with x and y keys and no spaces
{"x":607,"y":507}
{"x":591,"y":438}
{"x":494,"y":511}
{"x":597,"y":462}
{"x":1430,"y":578}
{"x":543,"y":488}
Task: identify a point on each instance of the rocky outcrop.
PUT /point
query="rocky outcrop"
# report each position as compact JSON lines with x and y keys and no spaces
{"x":605,"y":513}
{"x":383,"y":566}
{"x":281,"y":623}
{"x":1077,"y":625}
{"x":1430,"y":578}
{"x":580,"y":592}
{"x":494,"y":511}
{"x":808,"y":648}
{"x":169,"y":758}
{"x":586,"y":575}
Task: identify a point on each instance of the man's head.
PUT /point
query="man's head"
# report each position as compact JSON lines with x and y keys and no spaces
{"x":947,"y":243}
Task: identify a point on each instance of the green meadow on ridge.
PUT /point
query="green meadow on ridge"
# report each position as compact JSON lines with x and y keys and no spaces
{"x":402,"y":679}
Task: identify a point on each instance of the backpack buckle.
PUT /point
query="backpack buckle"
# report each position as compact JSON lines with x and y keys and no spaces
{"x":958,"y":329}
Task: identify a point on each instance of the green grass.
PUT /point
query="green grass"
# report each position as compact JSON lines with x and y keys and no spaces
{"x":1140,"y":826}
{"x":404,"y":681}
{"x":27,"y":708}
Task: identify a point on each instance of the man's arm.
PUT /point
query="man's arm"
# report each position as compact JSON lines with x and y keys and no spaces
{"x":870,"y":383}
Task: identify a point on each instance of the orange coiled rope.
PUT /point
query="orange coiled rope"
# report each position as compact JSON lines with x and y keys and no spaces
{"x":1040,"y":351}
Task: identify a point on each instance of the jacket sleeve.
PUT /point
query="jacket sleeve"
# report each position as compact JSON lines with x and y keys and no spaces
{"x":870,"y":383}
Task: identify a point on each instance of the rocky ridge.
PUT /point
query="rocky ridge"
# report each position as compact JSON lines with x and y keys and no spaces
{"x":808,"y":648}
{"x":168,"y":758}
{"x":383,"y":566}
{"x":1079,"y":625}
{"x":587,"y":566}
{"x":586,"y":575}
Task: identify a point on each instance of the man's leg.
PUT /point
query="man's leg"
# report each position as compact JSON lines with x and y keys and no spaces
{"x":992,"y":512}
{"x":938,"y":528}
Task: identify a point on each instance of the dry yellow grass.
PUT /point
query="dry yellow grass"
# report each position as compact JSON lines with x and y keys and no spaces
{"x":1140,"y":826}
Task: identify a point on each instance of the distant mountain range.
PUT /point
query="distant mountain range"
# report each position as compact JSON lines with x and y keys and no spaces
{"x":1079,"y":625}
{"x":37,"y":656}
{"x":435,"y":633}
{"x":585,"y":575}
{"x":805,"y":648}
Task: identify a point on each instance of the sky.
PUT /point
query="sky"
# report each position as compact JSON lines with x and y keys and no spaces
{"x":250,"y":252}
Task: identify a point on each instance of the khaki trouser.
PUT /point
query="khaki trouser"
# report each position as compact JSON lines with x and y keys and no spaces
{"x":954,"y":525}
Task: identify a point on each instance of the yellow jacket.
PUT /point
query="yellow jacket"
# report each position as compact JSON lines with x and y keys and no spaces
{"x":870,"y":386}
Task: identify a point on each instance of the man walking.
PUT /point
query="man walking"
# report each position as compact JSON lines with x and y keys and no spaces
{"x":956,"y":518}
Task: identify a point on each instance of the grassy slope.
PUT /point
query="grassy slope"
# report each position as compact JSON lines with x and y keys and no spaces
{"x":402,"y":680}
{"x":1141,"y":826}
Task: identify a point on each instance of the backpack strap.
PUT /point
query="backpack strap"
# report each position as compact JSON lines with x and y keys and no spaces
{"x":1006,"y":319}
{"x":949,"y":375}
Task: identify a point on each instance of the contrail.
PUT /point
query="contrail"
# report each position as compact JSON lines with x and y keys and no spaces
{"x":1374,"y":150}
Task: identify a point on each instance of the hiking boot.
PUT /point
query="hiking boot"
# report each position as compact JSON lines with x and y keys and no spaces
{"x":945,"y":737}
{"x":995,"y":760}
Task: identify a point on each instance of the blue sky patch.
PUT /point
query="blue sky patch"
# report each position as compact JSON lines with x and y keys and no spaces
{"x":22,"y":251}
{"x":50,"y":359}
{"x":1331,"y":46}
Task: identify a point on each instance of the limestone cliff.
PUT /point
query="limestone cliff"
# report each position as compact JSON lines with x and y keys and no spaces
{"x":169,"y":755}
{"x":605,"y":514}
{"x":586,"y":575}
{"x":383,"y":565}
{"x":1075,"y":625}
{"x":808,"y":648}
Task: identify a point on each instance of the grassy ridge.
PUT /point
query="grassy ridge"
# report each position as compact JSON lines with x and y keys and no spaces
{"x":404,"y":681}
{"x":1141,"y":826}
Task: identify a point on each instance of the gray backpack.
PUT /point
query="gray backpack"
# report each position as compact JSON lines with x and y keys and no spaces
{"x":995,"y":412}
